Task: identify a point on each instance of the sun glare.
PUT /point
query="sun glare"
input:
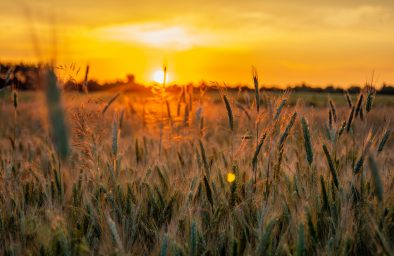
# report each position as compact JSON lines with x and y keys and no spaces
{"x":158,"y":76}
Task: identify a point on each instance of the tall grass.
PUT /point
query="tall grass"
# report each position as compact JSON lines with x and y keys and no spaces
{"x":59,"y":129}
{"x":211,"y":188}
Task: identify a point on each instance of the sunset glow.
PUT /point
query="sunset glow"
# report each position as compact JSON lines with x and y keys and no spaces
{"x":196,"y":127}
{"x":326,"y":42}
{"x":158,"y":77}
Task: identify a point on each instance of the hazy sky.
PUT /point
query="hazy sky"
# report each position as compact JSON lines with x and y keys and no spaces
{"x":289,"y":41}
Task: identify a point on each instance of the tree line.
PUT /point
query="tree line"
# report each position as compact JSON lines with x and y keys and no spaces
{"x":27,"y":77}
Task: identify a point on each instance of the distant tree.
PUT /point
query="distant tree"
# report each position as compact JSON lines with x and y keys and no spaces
{"x":130,"y":79}
{"x":354,"y":89}
{"x":386,"y":89}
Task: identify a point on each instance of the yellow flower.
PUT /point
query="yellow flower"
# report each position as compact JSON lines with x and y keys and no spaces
{"x":230,"y":177}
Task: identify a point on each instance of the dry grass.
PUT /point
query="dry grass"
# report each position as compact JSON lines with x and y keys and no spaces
{"x":138,"y":179}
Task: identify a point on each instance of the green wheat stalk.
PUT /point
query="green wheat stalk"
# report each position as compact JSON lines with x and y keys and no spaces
{"x":229,"y":113}
{"x":384,"y":140}
{"x":307,"y":141}
{"x":286,"y":132}
{"x":256,"y":88}
{"x":56,"y":115}
{"x":331,"y":166}
{"x":376,"y":178}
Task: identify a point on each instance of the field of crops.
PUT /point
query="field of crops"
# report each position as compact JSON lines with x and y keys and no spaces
{"x":195,"y":174}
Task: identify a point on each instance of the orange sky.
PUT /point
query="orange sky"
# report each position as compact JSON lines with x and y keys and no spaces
{"x":289,"y":41}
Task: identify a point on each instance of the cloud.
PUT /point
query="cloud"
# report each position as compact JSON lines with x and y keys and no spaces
{"x":157,"y":35}
{"x":179,"y":35}
{"x":361,"y":15}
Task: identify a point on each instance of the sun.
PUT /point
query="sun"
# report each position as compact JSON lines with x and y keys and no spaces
{"x":158,"y":76}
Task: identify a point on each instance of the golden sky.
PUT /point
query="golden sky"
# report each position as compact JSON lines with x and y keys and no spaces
{"x":288,"y":41}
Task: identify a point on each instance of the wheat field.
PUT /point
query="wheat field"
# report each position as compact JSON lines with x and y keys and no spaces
{"x":194,"y":173}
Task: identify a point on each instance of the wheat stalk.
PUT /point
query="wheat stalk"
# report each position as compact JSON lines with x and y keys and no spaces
{"x":376,"y":178}
{"x":56,"y":115}
{"x":286,"y":132}
{"x":307,"y":141}
{"x":110,"y":102}
{"x":229,"y":113}
{"x":331,"y":166}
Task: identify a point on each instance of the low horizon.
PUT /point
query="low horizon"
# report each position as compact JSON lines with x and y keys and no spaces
{"x":157,"y":78}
